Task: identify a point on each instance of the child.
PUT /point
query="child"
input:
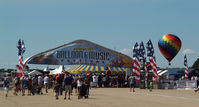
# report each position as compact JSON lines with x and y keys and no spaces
{"x":56,"y":90}
{"x":6,"y":85}
{"x":150,"y":86}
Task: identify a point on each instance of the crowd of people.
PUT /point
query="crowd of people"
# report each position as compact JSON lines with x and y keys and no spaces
{"x":60,"y":83}
{"x":68,"y":84}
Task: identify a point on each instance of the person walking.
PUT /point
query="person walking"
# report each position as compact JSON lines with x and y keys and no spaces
{"x":68,"y":85}
{"x":16,"y":85}
{"x":40,"y":84}
{"x":23,"y":85}
{"x":150,"y":86}
{"x":34,"y":84}
{"x":79,"y":86}
{"x":95,"y":80}
{"x":59,"y":80}
{"x":87,"y":83}
{"x":6,"y":85}
{"x":56,"y":90}
{"x":132,"y":83}
{"x":29,"y":85}
{"x":46,"y":82}
{"x":74,"y":84}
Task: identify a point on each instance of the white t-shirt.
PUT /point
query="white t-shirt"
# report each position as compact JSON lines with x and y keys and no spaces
{"x":40,"y":79}
{"x":132,"y":80}
{"x":95,"y":78}
{"x":46,"y":80}
{"x":79,"y":83}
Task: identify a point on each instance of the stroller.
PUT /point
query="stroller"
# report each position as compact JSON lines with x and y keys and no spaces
{"x":84,"y":91}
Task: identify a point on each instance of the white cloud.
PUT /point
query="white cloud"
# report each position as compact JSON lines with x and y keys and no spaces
{"x":126,"y":51}
{"x":189,"y":51}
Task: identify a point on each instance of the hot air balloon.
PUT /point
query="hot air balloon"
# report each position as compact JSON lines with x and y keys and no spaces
{"x":169,"y":45}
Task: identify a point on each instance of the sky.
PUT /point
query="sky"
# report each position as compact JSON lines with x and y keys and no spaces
{"x":115,"y":24}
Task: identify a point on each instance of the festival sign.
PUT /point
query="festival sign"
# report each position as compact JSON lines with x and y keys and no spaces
{"x":81,"y":52}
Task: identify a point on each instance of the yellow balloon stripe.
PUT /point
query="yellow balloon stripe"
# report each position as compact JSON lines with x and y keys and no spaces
{"x":171,"y":43}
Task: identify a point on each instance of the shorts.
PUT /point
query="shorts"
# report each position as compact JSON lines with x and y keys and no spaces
{"x":40,"y":84}
{"x":23,"y":88}
{"x":132,"y":85}
{"x":6,"y":89}
{"x":75,"y":85}
{"x":94,"y":84}
{"x":68,"y":88}
{"x":29,"y":87}
{"x":46,"y":84}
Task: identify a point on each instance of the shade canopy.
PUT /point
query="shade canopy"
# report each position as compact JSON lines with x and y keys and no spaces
{"x":92,"y":68}
{"x":34,"y":72}
{"x":59,"y":70}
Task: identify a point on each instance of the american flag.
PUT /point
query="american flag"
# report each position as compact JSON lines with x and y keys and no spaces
{"x":136,"y":65}
{"x":19,"y":47}
{"x":20,"y":67}
{"x":21,"y":50}
{"x":152,"y":60}
{"x":186,"y":67}
{"x":143,"y":57}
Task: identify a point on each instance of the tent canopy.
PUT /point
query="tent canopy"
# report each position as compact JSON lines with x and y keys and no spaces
{"x":92,"y":68}
{"x":59,"y":70}
{"x":34,"y":72}
{"x":174,"y":73}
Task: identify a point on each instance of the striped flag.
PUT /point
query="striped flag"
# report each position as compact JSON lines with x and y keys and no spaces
{"x":152,"y":60}
{"x":21,"y":50}
{"x":136,"y":65}
{"x":186,"y":67}
{"x":20,"y":67}
{"x":143,"y":57}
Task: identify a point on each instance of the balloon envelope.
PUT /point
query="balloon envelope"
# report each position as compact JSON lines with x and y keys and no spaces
{"x":169,"y":45}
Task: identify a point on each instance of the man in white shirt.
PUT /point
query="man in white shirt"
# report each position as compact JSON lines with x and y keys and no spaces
{"x":40,"y":83}
{"x":46,"y":82}
{"x":95,"y":81}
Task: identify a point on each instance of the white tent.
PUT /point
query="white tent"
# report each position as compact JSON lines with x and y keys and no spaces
{"x":34,"y":72}
{"x":46,"y":69}
{"x":59,"y":70}
{"x":161,"y":73}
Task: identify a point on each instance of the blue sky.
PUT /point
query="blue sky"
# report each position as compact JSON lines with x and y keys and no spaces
{"x":115,"y":24}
